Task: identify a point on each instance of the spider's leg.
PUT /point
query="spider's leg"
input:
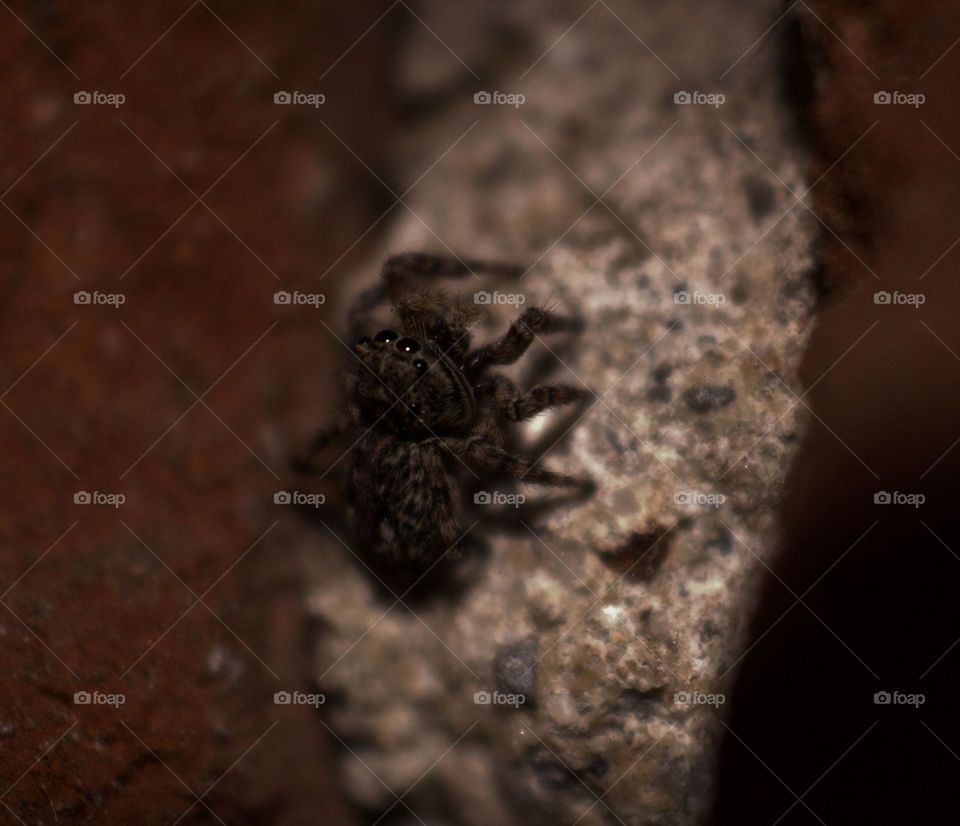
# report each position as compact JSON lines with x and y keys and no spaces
{"x":429,"y":314}
{"x":445,"y":519}
{"x":517,"y":518}
{"x":347,"y":419}
{"x":517,"y":406}
{"x":421,"y":264}
{"x":532,"y":322}
{"x":397,"y":273}
{"x":496,"y":459}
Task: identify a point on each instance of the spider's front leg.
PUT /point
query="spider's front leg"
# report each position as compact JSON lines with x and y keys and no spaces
{"x":422,"y":264}
{"x":347,"y":419}
{"x":399,"y":270}
{"x":517,"y":406}
{"x":532,"y":322}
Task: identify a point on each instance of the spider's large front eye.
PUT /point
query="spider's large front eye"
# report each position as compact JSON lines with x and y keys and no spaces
{"x":408,"y":345}
{"x":386,"y":336}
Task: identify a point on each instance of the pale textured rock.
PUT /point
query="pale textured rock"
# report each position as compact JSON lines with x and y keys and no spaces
{"x":688,"y":410}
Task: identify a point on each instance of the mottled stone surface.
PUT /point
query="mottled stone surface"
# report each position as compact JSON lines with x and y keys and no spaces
{"x":612,"y":613}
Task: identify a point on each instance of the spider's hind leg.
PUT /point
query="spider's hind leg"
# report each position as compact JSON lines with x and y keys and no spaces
{"x":495,"y":459}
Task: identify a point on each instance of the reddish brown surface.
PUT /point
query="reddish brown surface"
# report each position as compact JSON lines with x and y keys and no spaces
{"x":80,"y":415}
{"x":893,"y":201}
{"x":879,"y":582}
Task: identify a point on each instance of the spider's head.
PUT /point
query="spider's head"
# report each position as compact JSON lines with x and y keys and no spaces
{"x":411,"y":387}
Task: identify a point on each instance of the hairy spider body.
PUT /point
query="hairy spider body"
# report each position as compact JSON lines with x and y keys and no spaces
{"x":403,"y":500}
{"x":431,"y":411}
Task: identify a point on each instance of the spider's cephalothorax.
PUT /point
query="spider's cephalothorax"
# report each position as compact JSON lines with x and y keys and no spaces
{"x":412,"y":386}
{"x":431,"y":410}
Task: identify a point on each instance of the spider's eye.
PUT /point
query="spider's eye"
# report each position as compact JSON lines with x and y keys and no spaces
{"x":414,"y":408}
{"x":408,"y":345}
{"x":364,"y":340}
{"x":386,"y":335}
{"x":421,"y":365}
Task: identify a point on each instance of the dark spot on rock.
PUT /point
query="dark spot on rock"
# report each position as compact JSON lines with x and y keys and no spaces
{"x":631,"y":258}
{"x":553,"y":775}
{"x":642,"y":555}
{"x":660,"y":393}
{"x":739,"y":294}
{"x":673,"y":325}
{"x":662,"y":373}
{"x":709,"y":630}
{"x":721,"y":542}
{"x":515,"y":669}
{"x":643,"y":281}
{"x":705,"y":398}
{"x":760,"y":196}
{"x":643,"y":704}
{"x":614,"y":440}
{"x":680,"y":288}
{"x":597,"y":767}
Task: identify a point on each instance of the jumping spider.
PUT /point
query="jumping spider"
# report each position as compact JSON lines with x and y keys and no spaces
{"x":426,"y":400}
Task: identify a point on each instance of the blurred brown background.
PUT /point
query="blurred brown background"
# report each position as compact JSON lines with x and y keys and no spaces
{"x":172,"y":405}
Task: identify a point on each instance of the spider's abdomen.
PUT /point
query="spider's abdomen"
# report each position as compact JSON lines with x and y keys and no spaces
{"x":404,"y":505}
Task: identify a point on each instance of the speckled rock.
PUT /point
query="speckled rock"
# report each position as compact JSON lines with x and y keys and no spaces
{"x":618,"y":620}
